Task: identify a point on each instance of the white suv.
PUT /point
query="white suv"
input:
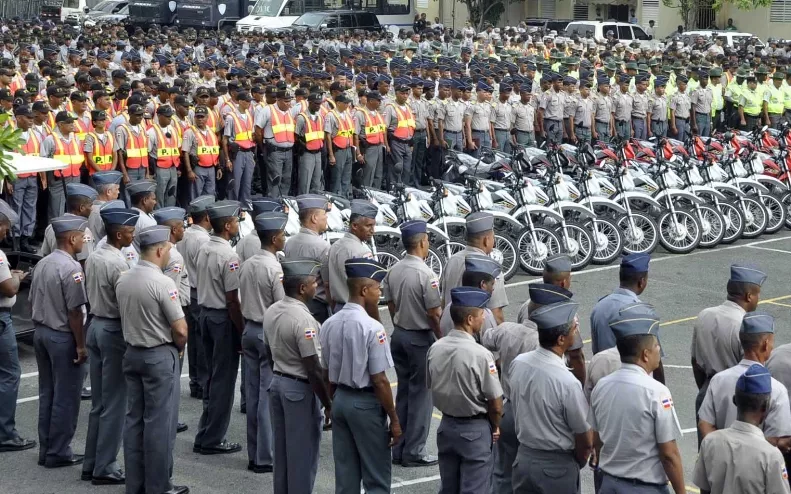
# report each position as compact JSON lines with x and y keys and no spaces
{"x":623,"y":31}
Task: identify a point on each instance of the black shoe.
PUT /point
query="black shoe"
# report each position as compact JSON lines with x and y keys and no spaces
{"x":196,"y":393}
{"x":259,"y":468}
{"x":74,"y":460}
{"x":24,"y":246}
{"x":396,"y":461}
{"x":426,"y":461}
{"x":223,"y":448}
{"x":116,"y":478}
{"x":86,"y":394}
{"x":197,"y":449}
{"x":243,"y":408}
{"x":40,"y":462}
{"x":181,"y":427}
{"x":86,"y":476}
{"x":178,"y":489}
{"x":17,"y":444}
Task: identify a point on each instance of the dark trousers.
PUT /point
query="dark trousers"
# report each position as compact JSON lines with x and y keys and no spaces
{"x":10,"y":373}
{"x":258,"y":369}
{"x":413,"y":398}
{"x":698,"y":402}
{"x":465,"y":455}
{"x":505,"y":452}
{"x":195,"y":357}
{"x":419,"y":158}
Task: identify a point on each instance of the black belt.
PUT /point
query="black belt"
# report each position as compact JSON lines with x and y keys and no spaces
{"x":367,"y":389}
{"x":659,"y":121}
{"x":481,"y":131}
{"x":603,"y":122}
{"x":313,"y":152}
{"x":501,"y":130}
{"x":637,"y":118}
{"x":277,"y":148}
{"x":682,"y":119}
{"x":636,"y":481}
{"x":621,"y":121}
{"x":289,"y":376}
{"x":247,"y":150}
{"x":5,"y":309}
{"x":473,"y":417}
{"x":703,"y":113}
{"x":452,"y":132}
{"x":420,"y":130}
{"x":578,"y":126}
{"x":396,"y":139}
{"x":525,"y":131}
{"x":552,"y":120}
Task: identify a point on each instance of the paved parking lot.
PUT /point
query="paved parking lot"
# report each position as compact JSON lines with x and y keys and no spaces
{"x":679,"y":287}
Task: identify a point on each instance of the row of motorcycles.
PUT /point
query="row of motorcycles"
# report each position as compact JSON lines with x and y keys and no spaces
{"x":592,"y":203}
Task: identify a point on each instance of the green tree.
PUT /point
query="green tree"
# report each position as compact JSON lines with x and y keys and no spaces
{"x":481,"y":11}
{"x":688,"y":9}
{"x":10,"y":140}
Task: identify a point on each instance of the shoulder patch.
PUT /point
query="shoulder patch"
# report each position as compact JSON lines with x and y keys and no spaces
{"x":785,"y":474}
{"x":78,"y":277}
{"x":310,"y":333}
{"x":176,"y":268}
{"x":130,"y":256}
{"x":233,"y":265}
{"x":368,"y":255}
{"x":381,"y":336}
{"x":435,"y":283}
{"x":492,"y":367}
{"x":2,"y":262}
{"x":667,"y":403}
{"x":87,"y":238}
{"x":173,"y":294}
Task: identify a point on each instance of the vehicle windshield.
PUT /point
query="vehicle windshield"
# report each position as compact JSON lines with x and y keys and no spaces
{"x":269,"y":8}
{"x":310,"y":20}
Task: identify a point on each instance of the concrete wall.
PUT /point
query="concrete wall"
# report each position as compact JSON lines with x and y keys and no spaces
{"x":669,"y":20}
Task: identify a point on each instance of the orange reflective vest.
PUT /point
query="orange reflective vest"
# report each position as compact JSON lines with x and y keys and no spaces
{"x":102,"y":152}
{"x":244,"y":130}
{"x":51,"y":120}
{"x":405,"y":128}
{"x":118,"y":107}
{"x":212,"y":120}
{"x":168,"y":153}
{"x":81,"y":128}
{"x":314,"y":133}
{"x":282,"y":125}
{"x":181,"y":126}
{"x":31,"y":148}
{"x":136,"y":148}
{"x":302,"y":105}
{"x":69,"y":153}
{"x":207,"y":146}
{"x":374,"y":128}
{"x":343,"y":139}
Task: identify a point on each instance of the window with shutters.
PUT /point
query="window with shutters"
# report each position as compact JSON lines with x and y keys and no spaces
{"x":581,"y":12}
{"x":780,"y":11}
{"x":548,"y":9}
{"x":650,"y":12}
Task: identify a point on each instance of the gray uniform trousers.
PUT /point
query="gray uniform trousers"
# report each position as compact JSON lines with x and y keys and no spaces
{"x":106,"y":347}
{"x":401,"y":160}
{"x":57,"y":194}
{"x":296,"y":423}
{"x":545,"y":472}
{"x":166,"y":178}
{"x":153,"y":391}
{"x":525,"y":138}
{"x":135,"y":174}
{"x":360,"y":438}
{"x":455,"y":141}
{"x":243,"y":166}
{"x":775,"y":120}
{"x":505,"y":452}
{"x":23,"y":201}
{"x":603,"y":131}
{"x":503,"y":140}
{"x":205,"y":181}
{"x":484,"y":141}
{"x":583,"y":135}
{"x":10,"y":373}
{"x":309,"y":174}
{"x":341,"y":172}
{"x":698,"y":402}
{"x":419,"y":156}
{"x":554,"y":130}
{"x":659,"y":128}
{"x":682,"y":126}
{"x":465,"y":455}
{"x":259,"y":376}
{"x":59,"y":387}
{"x":279,"y":162}
{"x":622,"y":129}
{"x":195,"y":354}
{"x":612,"y":485}
{"x":413,"y":398}
{"x":222,"y":365}
{"x":640,"y":131}
{"x":374,"y":165}
{"x":703,"y":121}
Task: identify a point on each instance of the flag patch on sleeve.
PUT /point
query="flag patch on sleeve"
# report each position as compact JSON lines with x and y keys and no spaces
{"x":2,"y":262}
{"x":382,"y":337}
{"x":785,"y":474}
{"x":78,"y":277}
{"x":174,"y":294}
{"x":310,"y":333}
{"x":176,"y":268}
{"x":492,"y":368}
{"x":435,"y":283}
{"x":667,"y":403}
{"x":233,"y":265}
{"x":130,"y":256}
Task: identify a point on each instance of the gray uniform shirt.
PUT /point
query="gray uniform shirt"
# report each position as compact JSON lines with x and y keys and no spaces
{"x":718,"y":408}
{"x":218,"y":272}
{"x":680,"y":104}
{"x":311,"y":245}
{"x":5,"y":274}
{"x":462,"y":375}
{"x":639,"y":105}
{"x":524,"y":115}
{"x":50,"y":243}
{"x":603,"y":108}
{"x":552,"y":102}
{"x":143,"y":220}
{"x":583,"y":112}
{"x":454,"y":270}
{"x":347,"y":247}
{"x":354,"y":347}
{"x":701,"y":99}
{"x":292,"y":334}
{"x":657,"y":105}
{"x":452,"y":113}
{"x":715,"y":337}
{"x":194,"y":237}
{"x":503,"y":115}
{"x":739,"y":460}
{"x":420,"y":111}
{"x":414,"y":289}
{"x":480,"y":115}
{"x":260,"y":285}
{"x":633,"y":429}
{"x":623,"y":104}
{"x":601,"y":365}
{"x":95,"y":221}
{"x":548,"y":402}
{"x":58,"y":287}
{"x":177,"y":271}
{"x":102,"y":270}
{"x":248,"y":246}
{"x":149,"y":304}
{"x":779,"y":364}
{"x":510,"y":340}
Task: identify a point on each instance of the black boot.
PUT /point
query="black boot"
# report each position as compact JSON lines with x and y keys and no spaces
{"x":24,"y":246}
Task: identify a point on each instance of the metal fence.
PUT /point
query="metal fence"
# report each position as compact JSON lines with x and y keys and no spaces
{"x":21,"y":8}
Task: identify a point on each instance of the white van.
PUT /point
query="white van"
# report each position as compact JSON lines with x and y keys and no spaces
{"x":623,"y":31}
{"x":730,"y":38}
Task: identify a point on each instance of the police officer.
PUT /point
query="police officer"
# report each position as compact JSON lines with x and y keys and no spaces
{"x":584,"y":109}
{"x":370,"y":138}
{"x":715,"y":333}
{"x":411,"y":290}
{"x":57,"y":297}
{"x":24,"y":191}
{"x":107,"y":184}
{"x":480,"y":240}
{"x":238,"y":145}
{"x":308,"y":243}
{"x":701,"y":99}
{"x":356,"y":356}
{"x":194,"y":238}
{"x":680,"y":107}
{"x":201,"y":155}
{"x":106,"y":347}
{"x":400,"y":123}
{"x":739,"y":459}
{"x":155,"y":332}
{"x":9,"y":365}
{"x":550,"y":111}
{"x":338,"y":135}
{"x":63,"y":145}
{"x":275,"y":130}
{"x":479,"y":120}
{"x":623,"y":103}
{"x":164,"y":155}
{"x":143,"y":199}
{"x":250,"y":244}
{"x":480,"y":271}
{"x":465,"y":387}
{"x":549,"y":407}
{"x":604,"y":127}
{"x":78,"y":203}
{"x":353,"y":244}
{"x":261,"y":285}
{"x":297,"y":385}
{"x":718,"y":410}
{"x":640,"y":107}
{"x":309,"y":128}
{"x":221,"y":324}
{"x":657,"y":109}
{"x":639,"y":451}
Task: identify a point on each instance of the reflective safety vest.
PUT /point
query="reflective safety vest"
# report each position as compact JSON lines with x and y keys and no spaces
{"x":69,"y":153}
{"x":102,"y":152}
{"x":244,"y":130}
{"x":374,"y":128}
{"x":31,"y":148}
{"x":718,"y":100}
{"x":343,"y":139}
{"x":81,"y":128}
{"x":51,"y":120}
{"x":168,"y":153}
{"x":181,"y":126}
{"x":212,"y":120}
{"x":776,"y":97}
{"x":314,"y":133}
{"x":302,"y":105}
{"x":405,"y":128}
{"x":282,"y":125}
{"x":136,"y":148}
{"x":753,"y":102}
{"x":207,"y":146}
{"x":117,"y":107}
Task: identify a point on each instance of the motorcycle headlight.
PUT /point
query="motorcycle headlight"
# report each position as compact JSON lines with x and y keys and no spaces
{"x":286,"y":209}
{"x":445,"y":192}
{"x":410,"y":196}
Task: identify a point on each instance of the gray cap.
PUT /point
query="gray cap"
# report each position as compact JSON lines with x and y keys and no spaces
{"x":120,"y":216}
{"x":169,"y":213}
{"x":554,"y":315}
{"x":199,"y":204}
{"x":482,"y":264}
{"x":312,"y":201}
{"x":78,"y":189}
{"x":265,"y":205}
{"x":747,"y":274}
{"x":154,"y":234}
{"x":8,"y":212}
{"x":223,"y":209}
{"x":364,"y":208}
{"x":108,"y":177}
{"x":115,"y":204}
{"x":271,"y":220}
{"x":558,"y":263}
{"x":758,"y":322}
{"x":300,"y":266}
{"x":68,"y":223}
{"x":480,"y":222}
{"x":141,"y":186}
{"x":635,"y":319}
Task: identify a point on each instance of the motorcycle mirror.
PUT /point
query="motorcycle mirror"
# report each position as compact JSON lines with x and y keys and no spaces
{"x":764,"y":128}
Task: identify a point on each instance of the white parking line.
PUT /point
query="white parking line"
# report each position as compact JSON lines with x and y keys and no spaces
{"x":35,"y":398}
{"x":422,"y":480}
{"x":671,"y":366}
{"x":771,"y":250}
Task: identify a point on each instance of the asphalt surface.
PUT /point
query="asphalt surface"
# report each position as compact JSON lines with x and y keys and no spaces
{"x":679,"y":286}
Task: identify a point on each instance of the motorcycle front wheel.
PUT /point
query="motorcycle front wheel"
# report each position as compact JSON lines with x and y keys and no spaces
{"x":734,"y":221}
{"x":607,"y":238}
{"x":643,"y":238}
{"x":679,"y":231}
{"x":755,"y":216}
{"x":712,"y":225}
{"x":578,"y":243}
{"x":532,"y":256}
{"x":777,"y":212}
{"x":506,"y":253}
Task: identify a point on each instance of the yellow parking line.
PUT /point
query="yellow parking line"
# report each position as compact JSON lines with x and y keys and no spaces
{"x":692,"y":489}
{"x":780,"y":304}
{"x":437,"y":415}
